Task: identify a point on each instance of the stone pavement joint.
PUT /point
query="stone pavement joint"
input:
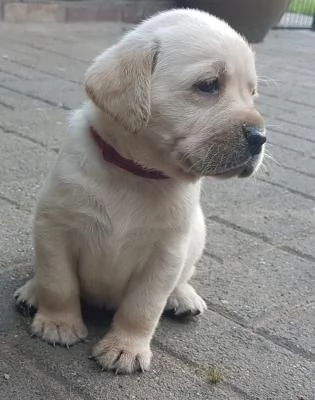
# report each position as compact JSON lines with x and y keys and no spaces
{"x":261,"y":236}
{"x":289,"y":189}
{"x":35,"y":97}
{"x":21,"y":135}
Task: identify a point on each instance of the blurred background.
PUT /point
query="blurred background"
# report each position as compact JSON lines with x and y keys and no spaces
{"x":253,"y":18}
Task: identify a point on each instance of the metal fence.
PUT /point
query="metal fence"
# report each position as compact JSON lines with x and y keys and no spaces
{"x":300,"y":15}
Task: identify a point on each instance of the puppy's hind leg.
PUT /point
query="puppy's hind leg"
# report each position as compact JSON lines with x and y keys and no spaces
{"x":26,"y":299}
{"x":185,"y":302}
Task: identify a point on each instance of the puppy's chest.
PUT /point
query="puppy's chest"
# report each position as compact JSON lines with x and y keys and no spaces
{"x":122,"y":225}
{"x":125,"y":213}
{"x":117,"y":239}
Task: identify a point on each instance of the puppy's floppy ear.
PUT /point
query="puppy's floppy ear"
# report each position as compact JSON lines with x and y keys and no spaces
{"x":119,"y":81}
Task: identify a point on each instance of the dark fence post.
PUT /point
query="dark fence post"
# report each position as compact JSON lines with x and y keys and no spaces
{"x":313,"y":23}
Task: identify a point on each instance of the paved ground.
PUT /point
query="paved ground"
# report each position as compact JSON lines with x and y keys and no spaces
{"x":257,"y":274}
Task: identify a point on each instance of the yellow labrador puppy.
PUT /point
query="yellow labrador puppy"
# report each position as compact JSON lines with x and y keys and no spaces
{"x":119,"y":221}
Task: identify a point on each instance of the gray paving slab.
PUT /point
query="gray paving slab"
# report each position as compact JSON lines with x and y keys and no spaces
{"x":22,"y":193}
{"x":254,"y":285}
{"x":19,"y":102}
{"x":22,"y":159}
{"x":292,"y":150}
{"x":230,"y":245}
{"x":293,"y":326}
{"x":261,"y":210}
{"x":45,"y":134}
{"x":297,"y":128}
{"x":303,"y":244}
{"x":288,"y":111}
{"x":61,"y":374}
{"x":46,"y":63}
{"x":25,"y":381}
{"x":68,"y":94}
{"x":15,"y":234}
{"x":257,"y":367}
{"x":11,"y":72}
{"x":301,"y":183}
{"x":257,"y":274}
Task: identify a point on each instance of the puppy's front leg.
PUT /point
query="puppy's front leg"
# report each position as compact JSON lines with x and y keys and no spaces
{"x":126,"y":348}
{"x":54,"y":290}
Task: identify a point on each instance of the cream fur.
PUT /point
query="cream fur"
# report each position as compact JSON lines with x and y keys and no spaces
{"x":127,"y":242}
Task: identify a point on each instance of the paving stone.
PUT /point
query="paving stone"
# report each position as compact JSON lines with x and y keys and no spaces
{"x":46,"y":126}
{"x":275,"y":109}
{"x":263,"y":211}
{"x":255,"y":366}
{"x":255,"y":285}
{"x":20,"y":102}
{"x":61,"y":66}
{"x":294,"y":325}
{"x":22,"y":159}
{"x":68,"y":95}
{"x":11,"y":72}
{"x":303,"y":244}
{"x":22,"y":194}
{"x":70,"y":373}
{"x":223,"y":243}
{"x":20,"y":379}
{"x":294,"y":180}
{"x":15,"y":233}
{"x":289,"y":150}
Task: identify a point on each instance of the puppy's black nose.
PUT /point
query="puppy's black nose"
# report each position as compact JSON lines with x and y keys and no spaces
{"x":255,"y":138}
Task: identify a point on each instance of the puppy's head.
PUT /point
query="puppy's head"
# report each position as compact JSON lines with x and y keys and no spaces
{"x":184,"y":83}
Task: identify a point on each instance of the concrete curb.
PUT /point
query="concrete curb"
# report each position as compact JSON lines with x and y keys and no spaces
{"x":126,"y":11}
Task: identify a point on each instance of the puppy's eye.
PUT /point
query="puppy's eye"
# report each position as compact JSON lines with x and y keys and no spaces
{"x":211,"y":87}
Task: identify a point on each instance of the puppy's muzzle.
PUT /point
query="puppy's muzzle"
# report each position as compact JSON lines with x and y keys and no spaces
{"x":255,"y":138}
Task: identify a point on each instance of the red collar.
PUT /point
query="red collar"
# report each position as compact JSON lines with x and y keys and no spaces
{"x":112,"y":156}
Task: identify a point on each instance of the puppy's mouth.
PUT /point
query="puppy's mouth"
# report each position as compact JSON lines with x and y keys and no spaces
{"x":242,"y":169}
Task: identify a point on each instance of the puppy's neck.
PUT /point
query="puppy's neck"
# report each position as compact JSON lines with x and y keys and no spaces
{"x":110,"y":131}
{"x":132,"y":146}
{"x":129,"y":145}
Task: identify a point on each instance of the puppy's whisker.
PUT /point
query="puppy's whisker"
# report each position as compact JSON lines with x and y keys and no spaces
{"x":264,"y":167}
{"x":271,"y":158}
{"x":202,"y":164}
{"x":273,"y":126}
{"x":186,"y":157}
{"x":266,"y":81}
{"x":266,"y":78}
{"x":208,"y":160}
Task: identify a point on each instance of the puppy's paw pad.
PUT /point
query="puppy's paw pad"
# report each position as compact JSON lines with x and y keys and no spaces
{"x":113,"y":354}
{"x":63,"y":331}
{"x":185,"y":302}
{"x":25,"y":299}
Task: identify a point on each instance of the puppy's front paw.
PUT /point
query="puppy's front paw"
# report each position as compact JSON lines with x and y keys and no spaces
{"x":122,"y":355}
{"x":185,"y":302}
{"x":63,"y":329}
